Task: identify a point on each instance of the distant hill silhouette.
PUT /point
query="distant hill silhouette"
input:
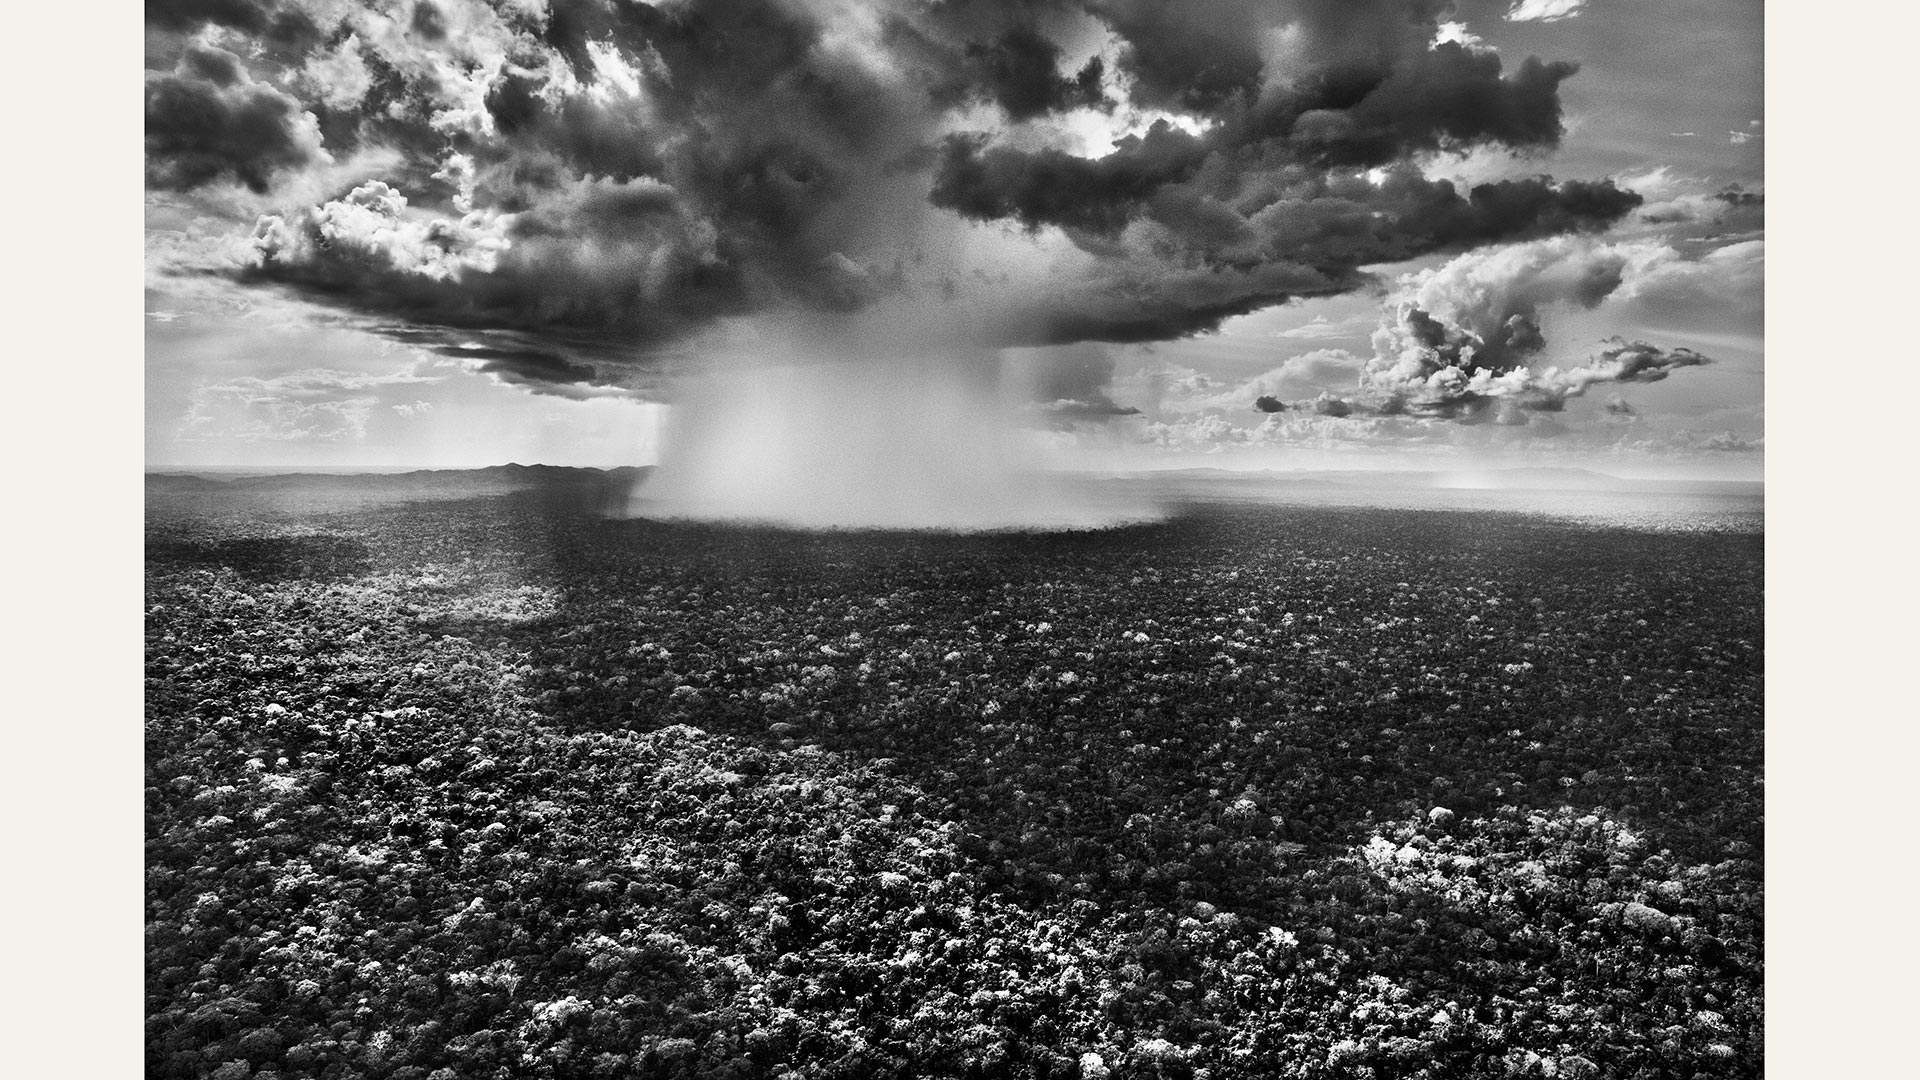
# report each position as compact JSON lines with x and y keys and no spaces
{"x":193,"y":495}
{"x":511,"y":476}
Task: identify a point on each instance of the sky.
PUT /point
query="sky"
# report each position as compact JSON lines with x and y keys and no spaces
{"x":1317,"y":234}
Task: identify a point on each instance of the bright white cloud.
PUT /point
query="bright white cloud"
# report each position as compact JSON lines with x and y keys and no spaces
{"x":339,"y":78}
{"x":1456,"y":32}
{"x":1522,"y":392}
{"x":373,"y":222}
{"x":1544,"y":10}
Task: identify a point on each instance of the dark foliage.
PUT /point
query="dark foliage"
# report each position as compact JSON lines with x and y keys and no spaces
{"x":513,"y":790}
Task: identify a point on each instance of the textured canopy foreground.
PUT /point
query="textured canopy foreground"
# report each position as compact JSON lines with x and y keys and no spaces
{"x":1266,"y":791}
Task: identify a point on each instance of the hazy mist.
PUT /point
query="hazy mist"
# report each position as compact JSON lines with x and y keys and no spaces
{"x":924,"y":441}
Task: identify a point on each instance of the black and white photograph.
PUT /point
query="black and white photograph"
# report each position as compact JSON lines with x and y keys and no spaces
{"x":1070,"y":539}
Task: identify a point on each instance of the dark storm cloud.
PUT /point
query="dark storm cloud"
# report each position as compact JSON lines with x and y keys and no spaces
{"x":191,"y":14}
{"x":280,"y":31}
{"x":1288,"y":168}
{"x":1267,"y":403}
{"x":1311,"y":242}
{"x":1446,"y":97}
{"x":1138,"y":305}
{"x":572,"y":136}
{"x":1053,"y":187}
{"x":611,"y":176}
{"x":521,"y":365}
{"x":1342,"y":220}
{"x":1335,"y":82}
{"x":1195,"y":56}
{"x":208,"y":121}
{"x":602,"y":262}
{"x":578,"y":222}
{"x":522,"y":360}
{"x":1021,"y":73}
{"x":1408,"y":215}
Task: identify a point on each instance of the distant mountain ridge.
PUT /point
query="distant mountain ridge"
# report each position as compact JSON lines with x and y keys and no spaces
{"x":511,"y":476}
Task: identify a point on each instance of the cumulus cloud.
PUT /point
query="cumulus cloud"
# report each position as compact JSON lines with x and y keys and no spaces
{"x":596,"y":181}
{"x":1667,"y":286}
{"x":1634,"y":362}
{"x":1458,"y":342}
{"x":1021,"y":73}
{"x":601,"y":261}
{"x":1482,"y":311}
{"x":1329,"y":405}
{"x":1466,"y":342}
{"x":208,"y":120}
{"x":1319,"y":367}
{"x":1308,"y":373}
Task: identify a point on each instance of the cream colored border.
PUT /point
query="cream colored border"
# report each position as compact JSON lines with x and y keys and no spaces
{"x":70,"y":653}
{"x":1842,"y":651}
{"x":1843,"y":538}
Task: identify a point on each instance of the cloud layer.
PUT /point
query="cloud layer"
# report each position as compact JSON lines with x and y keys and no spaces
{"x":1460,"y":341}
{"x":1466,"y":344}
{"x":208,"y":121}
{"x":581,"y":186}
